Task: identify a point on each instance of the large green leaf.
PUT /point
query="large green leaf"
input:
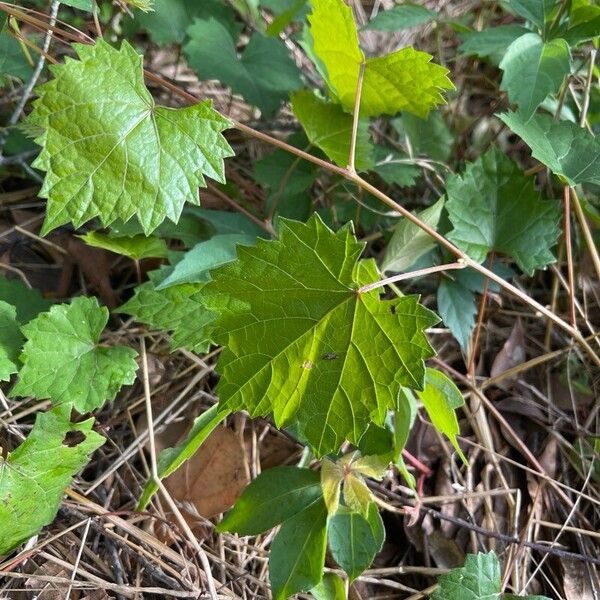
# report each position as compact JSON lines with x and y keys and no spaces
{"x":33,"y":477}
{"x":329,"y":128}
{"x":110,"y":152}
{"x":297,"y":553}
{"x":264,"y":74}
{"x":275,"y":496}
{"x":177,"y":308}
{"x":533,"y":69}
{"x":404,"y":80}
{"x":493,"y":206}
{"x":492,"y":42}
{"x":441,"y":398}
{"x":63,"y":361}
{"x":303,"y":344}
{"x":11,"y":340}
{"x":401,"y":16}
{"x":355,"y":540}
{"x":170,"y":18}
{"x":170,"y":459}
{"x":566,"y":149}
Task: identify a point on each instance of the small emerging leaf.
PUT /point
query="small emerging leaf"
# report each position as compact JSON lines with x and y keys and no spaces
{"x":34,"y":476}
{"x":330,"y":588}
{"x":63,"y":361}
{"x":11,"y":340}
{"x":135,"y":247}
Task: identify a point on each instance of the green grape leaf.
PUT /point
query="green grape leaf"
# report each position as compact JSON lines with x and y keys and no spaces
{"x":11,"y":340}
{"x":177,"y":308}
{"x":330,"y":588}
{"x":456,"y":306}
{"x":566,"y":149}
{"x":492,"y":42}
{"x":110,"y":152}
{"x":409,"y":242}
{"x":533,"y":69}
{"x":28,"y":301}
{"x":13,"y":61}
{"x":584,"y":25}
{"x":207,"y":255}
{"x":168,"y":21}
{"x":34,"y":476}
{"x":81,"y":4}
{"x":355,"y":540}
{"x":297,"y":553}
{"x":539,"y":12}
{"x":401,"y":16}
{"x":493,"y":206}
{"x":404,"y":80}
{"x":479,"y":579}
{"x":394,"y":168}
{"x":428,"y":137}
{"x":264,"y":74}
{"x":170,"y":459}
{"x":329,"y":128}
{"x":135,"y":247}
{"x":304,"y":344}
{"x":274,"y":497}
{"x":441,"y":398}
{"x":63,"y":361}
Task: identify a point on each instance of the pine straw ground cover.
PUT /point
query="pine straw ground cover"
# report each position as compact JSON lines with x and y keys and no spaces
{"x":530,"y":490}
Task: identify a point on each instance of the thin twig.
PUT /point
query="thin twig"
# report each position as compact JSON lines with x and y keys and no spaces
{"x":355,"y":118}
{"x":569,"y":253}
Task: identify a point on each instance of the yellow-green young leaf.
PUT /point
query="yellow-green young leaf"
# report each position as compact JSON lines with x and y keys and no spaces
{"x":11,"y":340}
{"x":332,"y":475}
{"x":403,"y":80}
{"x":494,"y":206}
{"x":135,"y":247}
{"x":329,"y":128}
{"x":302,"y":343}
{"x":371,"y":466}
{"x":177,"y":308}
{"x":357,"y":495}
{"x":441,"y":398}
{"x":533,"y":69}
{"x":355,"y":539}
{"x":63,"y":361}
{"x":33,"y":477}
{"x":110,"y":152}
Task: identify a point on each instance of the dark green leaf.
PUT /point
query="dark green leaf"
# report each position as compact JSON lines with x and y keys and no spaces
{"x":539,"y":12}
{"x":456,"y":305}
{"x":354,"y":541}
{"x":493,"y":206}
{"x":492,"y":42}
{"x":565,"y":148}
{"x":264,"y":74}
{"x":298,"y":552}
{"x":428,"y":137}
{"x":275,"y":496}
{"x":11,"y":340}
{"x":28,"y":301}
